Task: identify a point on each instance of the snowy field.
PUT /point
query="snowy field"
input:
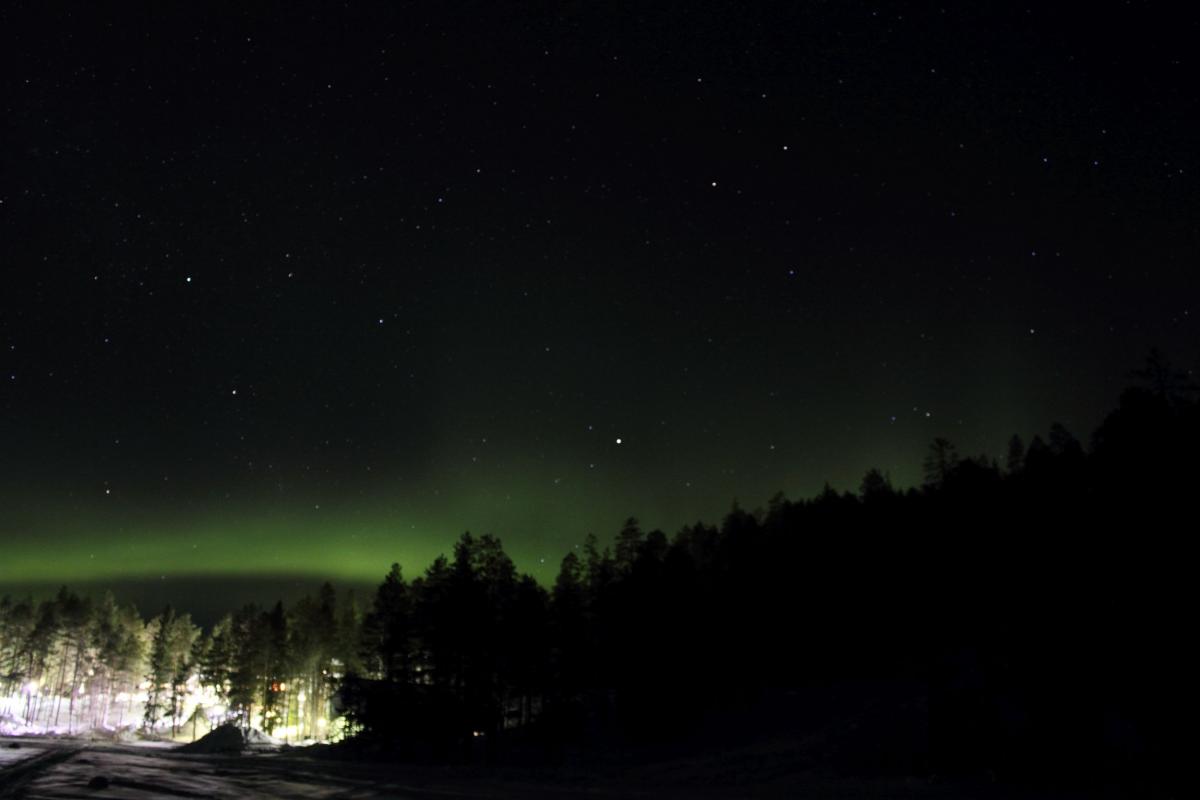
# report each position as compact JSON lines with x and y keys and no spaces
{"x":72,"y":770}
{"x":66,"y":768}
{"x":75,"y":768}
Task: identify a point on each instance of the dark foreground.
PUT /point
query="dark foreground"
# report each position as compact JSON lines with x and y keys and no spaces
{"x":67,"y":768}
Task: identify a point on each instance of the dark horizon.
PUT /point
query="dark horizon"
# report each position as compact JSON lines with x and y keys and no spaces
{"x":206,"y":598}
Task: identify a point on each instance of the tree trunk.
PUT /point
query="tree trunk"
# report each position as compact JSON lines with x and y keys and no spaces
{"x":74,"y":683}
{"x":62,"y":676}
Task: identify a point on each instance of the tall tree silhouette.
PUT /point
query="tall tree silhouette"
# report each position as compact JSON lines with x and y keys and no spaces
{"x":939,"y":462}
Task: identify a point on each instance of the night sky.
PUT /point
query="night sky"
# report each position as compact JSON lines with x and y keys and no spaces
{"x":305,"y":290}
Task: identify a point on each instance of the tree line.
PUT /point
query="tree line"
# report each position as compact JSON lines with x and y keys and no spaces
{"x":1038,"y":607}
{"x":72,"y":663}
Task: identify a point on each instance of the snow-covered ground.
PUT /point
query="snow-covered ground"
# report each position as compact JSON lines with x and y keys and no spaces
{"x":71,"y":768}
{"x":64,"y":767}
{"x":30,"y":710}
{"x":12,"y":751}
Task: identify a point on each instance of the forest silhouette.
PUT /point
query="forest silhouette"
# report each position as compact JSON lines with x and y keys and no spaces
{"x":1024,"y":620}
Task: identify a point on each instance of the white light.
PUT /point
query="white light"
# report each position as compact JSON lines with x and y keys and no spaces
{"x":618,"y":440}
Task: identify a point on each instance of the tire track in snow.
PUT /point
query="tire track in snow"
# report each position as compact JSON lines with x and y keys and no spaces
{"x":15,"y":778}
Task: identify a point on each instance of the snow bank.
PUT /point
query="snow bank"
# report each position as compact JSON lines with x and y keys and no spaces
{"x":15,"y":726}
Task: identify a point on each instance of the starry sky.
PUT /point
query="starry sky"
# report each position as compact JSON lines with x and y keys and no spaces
{"x":306,"y":289}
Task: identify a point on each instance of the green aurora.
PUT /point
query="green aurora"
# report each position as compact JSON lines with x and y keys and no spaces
{"x":349,"y":539}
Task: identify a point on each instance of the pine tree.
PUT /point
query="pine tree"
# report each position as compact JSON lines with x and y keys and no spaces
{"x":628,"y":542}
{"x":1015,"y":461}
{"x":876,"y":487}
{"x":160,"y":672}
{"x":248,"y":652}
{"x":940,"y":462}
{"x":274,"y":631}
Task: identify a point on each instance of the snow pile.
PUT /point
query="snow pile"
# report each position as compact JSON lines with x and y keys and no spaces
{"x":223,"y":739}
{"x":14,"y":726}
{"x":256,"y":738}
{"x":230,"y":738}
{"x":123,"y":735}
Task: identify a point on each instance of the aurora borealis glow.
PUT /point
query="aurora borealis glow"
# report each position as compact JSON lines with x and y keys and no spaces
{"x":278,"y":300}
